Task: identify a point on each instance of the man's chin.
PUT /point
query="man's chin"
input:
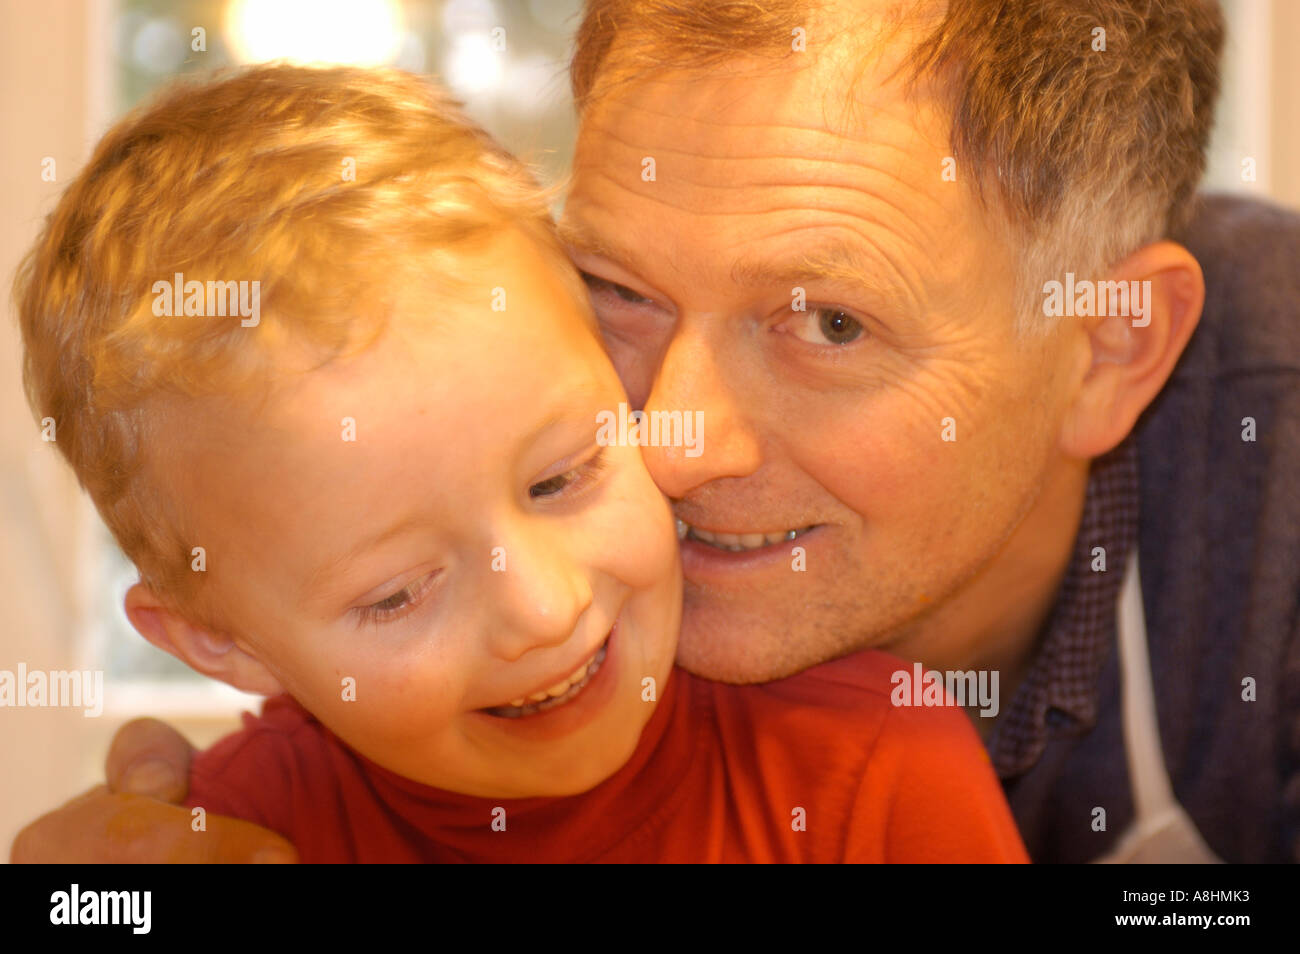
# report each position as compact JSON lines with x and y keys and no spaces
{"x":742,"y":647}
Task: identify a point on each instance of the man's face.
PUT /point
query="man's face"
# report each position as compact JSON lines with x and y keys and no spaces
{"x":779,"y":186}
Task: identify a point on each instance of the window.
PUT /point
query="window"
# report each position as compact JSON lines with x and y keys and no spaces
{"x":506,"y":61}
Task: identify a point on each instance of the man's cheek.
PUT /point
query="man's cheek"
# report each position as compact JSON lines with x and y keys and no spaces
{"x":635,"y":350}
{"x":873,"y":461}
{"x":634,"y":370}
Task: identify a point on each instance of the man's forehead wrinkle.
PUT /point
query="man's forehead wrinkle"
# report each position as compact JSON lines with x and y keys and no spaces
{"x":758,"y":153}
{"x":824,"y":171}
{"x":853,"y":158}
{"x":905,"y":287}
{"x":714,"y":120}
{"x":906,"y":224}
{"x":598,"y":131}
{"x":585,"y":238}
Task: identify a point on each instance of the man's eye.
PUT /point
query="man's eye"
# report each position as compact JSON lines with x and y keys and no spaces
{"x":827,"y":326}
{"x":598,"y":285}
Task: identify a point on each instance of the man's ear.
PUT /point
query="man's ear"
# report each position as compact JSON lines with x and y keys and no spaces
{"x":211,"y":653}
{"x":1129,"y":358}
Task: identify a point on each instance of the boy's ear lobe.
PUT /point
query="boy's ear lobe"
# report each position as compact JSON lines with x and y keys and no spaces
{"x":1130,"y":357}
{"x":202,"y":649}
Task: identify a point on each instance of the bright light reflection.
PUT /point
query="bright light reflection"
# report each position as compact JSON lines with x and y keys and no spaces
{"x":355,"y":32}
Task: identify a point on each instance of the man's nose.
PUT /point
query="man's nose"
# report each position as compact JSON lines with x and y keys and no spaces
{"x":692,"y":381}
{"x":541,"y":593}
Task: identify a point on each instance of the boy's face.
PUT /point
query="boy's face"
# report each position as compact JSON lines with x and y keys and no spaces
{"x":472,"y":546}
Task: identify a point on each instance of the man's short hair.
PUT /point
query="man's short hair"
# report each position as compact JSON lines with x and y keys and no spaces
{"x":1090,"y":144}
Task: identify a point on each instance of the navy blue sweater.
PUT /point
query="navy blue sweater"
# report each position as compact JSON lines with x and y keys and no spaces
{"x":1219,"y":544}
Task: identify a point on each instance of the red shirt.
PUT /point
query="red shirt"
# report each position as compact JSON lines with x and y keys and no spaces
{"x":721,"y":774}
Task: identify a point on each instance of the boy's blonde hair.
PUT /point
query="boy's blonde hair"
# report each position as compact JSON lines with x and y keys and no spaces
{"x":324,"y":185}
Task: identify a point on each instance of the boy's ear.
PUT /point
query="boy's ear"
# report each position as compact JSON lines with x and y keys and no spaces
{"x":211,"y":653}
{"x":1129,"y":358}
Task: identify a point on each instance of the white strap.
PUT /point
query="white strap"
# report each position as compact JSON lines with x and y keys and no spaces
{"x":1152,"y":791}
{"x":1162,"y":831}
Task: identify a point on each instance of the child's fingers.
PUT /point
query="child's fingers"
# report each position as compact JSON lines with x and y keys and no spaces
{"x":149,"y":757}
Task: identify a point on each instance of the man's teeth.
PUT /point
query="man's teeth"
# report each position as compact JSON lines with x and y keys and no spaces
{"x":736,"y":542}
{"x":563,"y":686}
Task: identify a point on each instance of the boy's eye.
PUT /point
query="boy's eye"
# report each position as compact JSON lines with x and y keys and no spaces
{"x":398,"y":604}
{"x":552,"y":485}
{"x":578,"y":476}
{"x":394,"y":602}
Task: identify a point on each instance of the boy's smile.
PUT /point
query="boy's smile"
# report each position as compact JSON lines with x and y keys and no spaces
{"x":558,"y":694}
{"x":494,"y":583}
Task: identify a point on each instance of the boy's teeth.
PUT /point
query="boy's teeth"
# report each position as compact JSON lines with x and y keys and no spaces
{"x":561,"y":687}
{"x":557,"y":695}
{"x":734,"y":541}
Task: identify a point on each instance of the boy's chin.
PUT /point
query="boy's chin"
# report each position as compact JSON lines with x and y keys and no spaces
{"x":590,"y":767}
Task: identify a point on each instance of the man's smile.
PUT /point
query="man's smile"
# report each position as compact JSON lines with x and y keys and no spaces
{"x":738,"y":541}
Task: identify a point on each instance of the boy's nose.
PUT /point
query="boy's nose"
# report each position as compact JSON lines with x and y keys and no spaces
{"x":542,"y":594}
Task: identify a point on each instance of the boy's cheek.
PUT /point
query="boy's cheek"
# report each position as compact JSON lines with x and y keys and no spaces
{"x":352,"y":686}
{"x":382,"y":711}
{"x":645,"y":549}
{"x":646,"y":554}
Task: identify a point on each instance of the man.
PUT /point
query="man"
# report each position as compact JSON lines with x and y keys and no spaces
{"x":913,"y":265}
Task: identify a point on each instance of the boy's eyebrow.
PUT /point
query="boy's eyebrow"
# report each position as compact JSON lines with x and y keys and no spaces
{"x":313,"y":587}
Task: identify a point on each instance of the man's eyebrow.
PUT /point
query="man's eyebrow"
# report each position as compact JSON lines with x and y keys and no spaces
{"x":836,"y":262}
{"x":583,"y":240}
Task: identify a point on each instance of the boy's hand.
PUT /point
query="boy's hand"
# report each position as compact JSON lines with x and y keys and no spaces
{"x":138,"y":817}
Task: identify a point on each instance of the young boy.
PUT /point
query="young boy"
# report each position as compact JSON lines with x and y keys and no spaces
{"x":315,"y":352}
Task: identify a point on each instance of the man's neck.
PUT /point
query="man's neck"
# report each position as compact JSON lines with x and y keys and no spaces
{"x":995,"y":622}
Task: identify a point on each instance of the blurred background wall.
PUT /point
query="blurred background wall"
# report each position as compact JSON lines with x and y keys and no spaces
{"x":69,"y":68}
